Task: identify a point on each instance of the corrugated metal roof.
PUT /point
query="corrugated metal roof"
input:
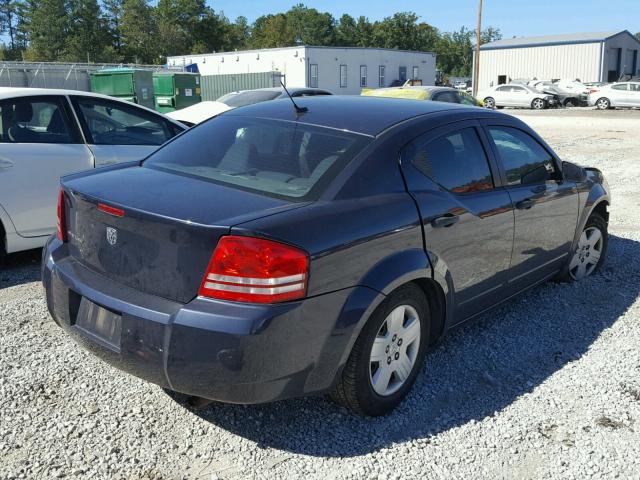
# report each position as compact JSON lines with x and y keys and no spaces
{"x":564,"y":39}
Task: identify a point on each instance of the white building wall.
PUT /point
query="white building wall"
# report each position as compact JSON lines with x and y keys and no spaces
{"x":294,"y":62}
{"x":581,"y":61}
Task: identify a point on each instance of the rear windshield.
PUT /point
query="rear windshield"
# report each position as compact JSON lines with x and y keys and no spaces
{"x":278,"y":158}
{"x":248,"y":98}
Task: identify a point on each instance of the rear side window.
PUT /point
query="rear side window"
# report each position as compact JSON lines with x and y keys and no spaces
{"x":115,"y":123}
{"x":620,"y":86}
{"x":35,"y":120}
{"x":277,"y":158}
{"x":456,"y":161}
{"x":524,"y":159}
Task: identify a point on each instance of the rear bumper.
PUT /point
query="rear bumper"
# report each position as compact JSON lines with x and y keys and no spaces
{"x":231,"y":352}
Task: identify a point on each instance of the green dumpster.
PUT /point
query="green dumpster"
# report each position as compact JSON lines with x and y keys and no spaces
{"x":175,"y":90}
{"x":125,"y":83}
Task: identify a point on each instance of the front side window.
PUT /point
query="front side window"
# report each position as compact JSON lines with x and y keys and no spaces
{"x":363,"y":75}
{"x":33,"y":120}
{"x":272,"y":157}
{"x":381,"y":81}
{"x":343,"y":76}
{"x":524,"y":159}
{"x":456,"y":161}
{"x":634,"y":87}
{"x":114,"y":123}
{"x":313,"y":75}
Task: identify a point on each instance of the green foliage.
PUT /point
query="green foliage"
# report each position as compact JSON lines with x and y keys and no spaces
{"x":638,"y":36}
{"x":145,"y":32}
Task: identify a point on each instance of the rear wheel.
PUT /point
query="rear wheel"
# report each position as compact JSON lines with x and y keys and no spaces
{"x":591,"y":250}
{"x":489,"y":102}
{"x":570,"y":102}
{"x":538,"y":104}
{"x":3,"y":245}
{"x":387,"y":356}
{"x":603,"y":103}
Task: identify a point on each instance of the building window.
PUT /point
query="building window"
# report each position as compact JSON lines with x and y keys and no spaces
{"x":363,"y":75}
{"x":381,"y":82}
{"x":343,"y":76}
{"x":313,"y":75}
{"x":416,"y":73}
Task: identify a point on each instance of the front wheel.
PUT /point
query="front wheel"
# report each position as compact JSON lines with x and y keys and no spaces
{"x":538,"y":104}
{"x":603,"y":103}
{"x":489,"y":102}
{"x":387,"y":356}
{"x":591,"y":250}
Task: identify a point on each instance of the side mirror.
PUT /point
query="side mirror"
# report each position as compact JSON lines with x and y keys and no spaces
{"x":573,"y":173}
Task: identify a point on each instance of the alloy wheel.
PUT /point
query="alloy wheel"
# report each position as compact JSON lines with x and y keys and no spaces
{"x":603,"y":104}
{"x":395,"y":350}
{"x":587,"y":254}
{"x":538,"y":104}
{"x":489,"y":102}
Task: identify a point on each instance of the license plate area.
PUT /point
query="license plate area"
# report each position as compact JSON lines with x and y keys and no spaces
{"x":99,"y":323}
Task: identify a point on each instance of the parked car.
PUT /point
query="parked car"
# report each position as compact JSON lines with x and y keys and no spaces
{"x":204,"y":110}
{"x":424,"y":92}
{"x":515,"y":95}
{"x":269,"y":253}
{"x":564,"y":99}
{"x":624,"y":94}
{"x":45,"y":134}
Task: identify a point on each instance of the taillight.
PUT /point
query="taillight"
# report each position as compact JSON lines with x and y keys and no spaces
{"x":116,"y":212}
{"x":62,"y":217}
{"x":248,"y":269}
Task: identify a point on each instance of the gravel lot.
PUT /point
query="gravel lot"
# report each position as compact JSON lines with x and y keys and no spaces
{"x":546,"y":387}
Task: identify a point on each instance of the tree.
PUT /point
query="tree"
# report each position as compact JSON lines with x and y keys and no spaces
{"x":139,"y":32}
{"x":638,"y":36}
{"x":113,"y":19}
{"x":308,"y":26}
{"x":46,"y":25}
{"x":8,"y":20}
{"x":270,"y":31}
{"x":88,"y":32}
{"x":402,"y":31}
{"x":346,"y":31}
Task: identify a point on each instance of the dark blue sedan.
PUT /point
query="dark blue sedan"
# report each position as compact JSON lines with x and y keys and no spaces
{"x":274,"y":252}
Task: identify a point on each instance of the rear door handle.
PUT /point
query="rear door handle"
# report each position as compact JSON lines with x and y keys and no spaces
{"x":445,"y":221}
{"x":5,"y":164}
{"x":525,"y":204}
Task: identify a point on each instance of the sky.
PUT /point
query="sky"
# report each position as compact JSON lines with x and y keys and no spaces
{"x":512,"y":17}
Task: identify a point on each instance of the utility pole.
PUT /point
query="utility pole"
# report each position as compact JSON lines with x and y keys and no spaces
{"x":477,"y":62}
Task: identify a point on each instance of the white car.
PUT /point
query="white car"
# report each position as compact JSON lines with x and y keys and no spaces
{"x":515,"y":95}
{"x":45,"y":134}
{"x":623,"y":94}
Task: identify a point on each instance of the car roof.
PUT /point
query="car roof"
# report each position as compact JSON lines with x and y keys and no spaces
{"x":280,"y":89}
{"x":12,"y":92}
{"x":365,"y":115}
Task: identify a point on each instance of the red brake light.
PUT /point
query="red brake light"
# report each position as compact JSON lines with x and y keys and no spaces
{"x":62,"y":217}
{"x":248,"y":269}
{"x":116,"y":212}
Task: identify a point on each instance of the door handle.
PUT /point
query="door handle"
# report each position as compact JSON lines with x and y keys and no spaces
{"x":5,"y":164}
{"x":525,"y":204}
{"x":444,"y":221}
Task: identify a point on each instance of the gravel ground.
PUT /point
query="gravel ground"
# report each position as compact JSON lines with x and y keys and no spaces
{"x":546,"y":387}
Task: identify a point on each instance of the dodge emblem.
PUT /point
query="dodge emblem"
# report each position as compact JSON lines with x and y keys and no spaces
{"x":112,"y":235}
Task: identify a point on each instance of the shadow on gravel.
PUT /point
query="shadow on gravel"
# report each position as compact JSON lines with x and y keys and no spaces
{"x":21,"y":267}
{"x":479,"y":369}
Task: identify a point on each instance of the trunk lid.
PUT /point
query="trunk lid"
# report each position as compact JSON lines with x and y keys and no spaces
{"x":170,"y":225}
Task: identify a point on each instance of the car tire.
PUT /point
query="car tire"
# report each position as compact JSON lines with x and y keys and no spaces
{"x":489,"y":102}
{"x":402,"y":317}
{"x":3,"y":246}
{"x":603,"y":103}
{"x":538,"y":104}
{"x":593,"y":241}
{"x":569,"y":102}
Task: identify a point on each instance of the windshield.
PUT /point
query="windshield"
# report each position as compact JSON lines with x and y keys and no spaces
{"x":274,"y":157}
{"x":240,"y":99}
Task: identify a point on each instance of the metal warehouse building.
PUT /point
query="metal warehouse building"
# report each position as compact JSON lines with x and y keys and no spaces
{"x":590,"y":57}
{"x":343,"y":70}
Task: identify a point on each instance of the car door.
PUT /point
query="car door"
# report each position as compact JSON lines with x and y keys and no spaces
{"x":619,"y":95}
{"x":467,"y":218}
{"x":520,"y":97}
{"x":120,"y":132}
{"x":545,"y":206}
{"x":634,"y":94}
{"x":503,"y":96}
{"x":39,"y":142}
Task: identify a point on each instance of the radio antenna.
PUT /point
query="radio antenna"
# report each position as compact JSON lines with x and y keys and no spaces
{"x":295,"y":105}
